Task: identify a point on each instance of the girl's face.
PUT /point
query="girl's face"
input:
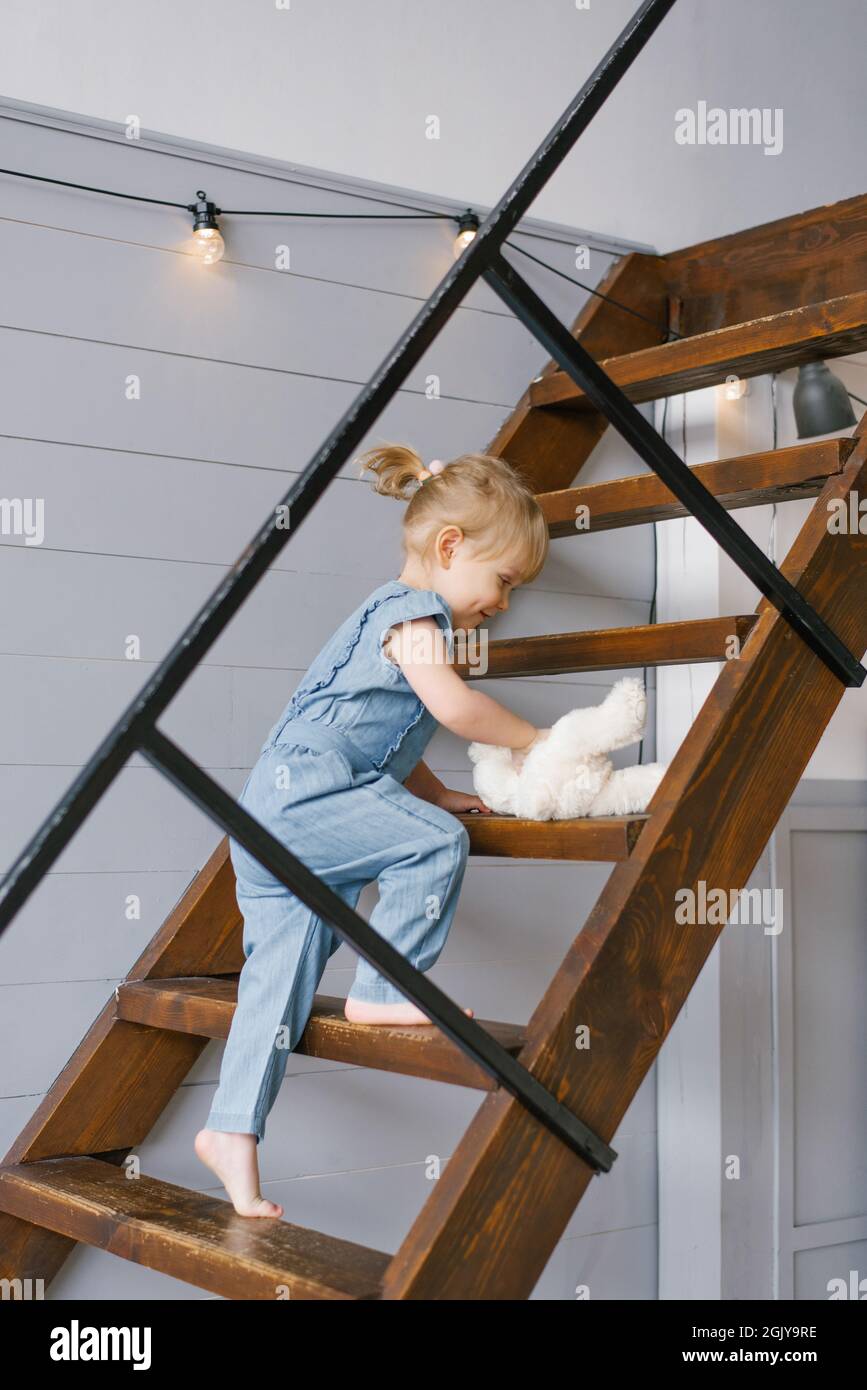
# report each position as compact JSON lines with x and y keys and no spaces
{"x":475,"y":588}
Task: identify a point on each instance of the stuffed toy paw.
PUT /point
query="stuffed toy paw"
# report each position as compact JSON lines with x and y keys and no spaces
{"x":569,"y":774}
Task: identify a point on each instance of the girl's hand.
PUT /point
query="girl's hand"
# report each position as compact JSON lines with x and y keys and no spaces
{"x":457,"y":802}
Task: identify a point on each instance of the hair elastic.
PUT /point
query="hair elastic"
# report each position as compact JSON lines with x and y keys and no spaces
{"x":435,"y":466}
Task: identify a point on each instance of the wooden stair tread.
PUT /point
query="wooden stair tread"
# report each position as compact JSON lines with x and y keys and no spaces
{"x":599,"y":838}
{"x":205,"y":1006}
{"x":774,"y":342}
{"x":186,"y":1234}
{"x":613,"y":648}
{"x":748,"y":480}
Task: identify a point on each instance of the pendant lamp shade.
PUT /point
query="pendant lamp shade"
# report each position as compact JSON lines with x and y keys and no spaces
{"x":820,"y":401}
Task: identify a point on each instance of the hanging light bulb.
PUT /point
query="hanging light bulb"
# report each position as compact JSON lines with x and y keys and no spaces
{"x":207,"y":243}
{"x":469,"y":225}
{"x":735,"y":387}
{"x":820,"y":401}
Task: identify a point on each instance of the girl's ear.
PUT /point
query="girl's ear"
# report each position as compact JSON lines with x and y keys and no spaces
{"x":448,"y":541}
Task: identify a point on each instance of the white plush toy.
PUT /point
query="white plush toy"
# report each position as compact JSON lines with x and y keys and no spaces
{"x":568,"y":774}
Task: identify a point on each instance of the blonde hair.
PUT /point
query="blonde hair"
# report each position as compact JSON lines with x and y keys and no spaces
{"x":482,"y":494}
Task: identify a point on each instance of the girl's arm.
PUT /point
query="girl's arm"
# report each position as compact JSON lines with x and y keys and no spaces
{"x":424,"y":783}
{"x":418,"y":648}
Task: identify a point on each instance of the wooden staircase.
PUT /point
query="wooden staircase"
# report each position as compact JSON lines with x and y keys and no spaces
{"x":757,"y":301}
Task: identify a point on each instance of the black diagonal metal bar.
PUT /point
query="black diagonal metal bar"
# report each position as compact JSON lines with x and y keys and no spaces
{"x":141,"y":715}
{"x":649,"y":445}
{"x":291,"y":871}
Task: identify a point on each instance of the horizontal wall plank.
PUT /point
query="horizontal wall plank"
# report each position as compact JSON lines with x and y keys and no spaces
{"x":114,"y":292}
{"x":221,"y":717}
{"x":86,"y":605}
{"x":142,"y":822}
{"x":184,"y":509}
{"x":76,"y":925}
{"x":73,"y":391}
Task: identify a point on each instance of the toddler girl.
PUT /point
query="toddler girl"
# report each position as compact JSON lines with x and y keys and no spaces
{"x":340,"y":781}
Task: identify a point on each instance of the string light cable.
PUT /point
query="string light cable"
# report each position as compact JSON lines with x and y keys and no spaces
{"x":209,"y":245}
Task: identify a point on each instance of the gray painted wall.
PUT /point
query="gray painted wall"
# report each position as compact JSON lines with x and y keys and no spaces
{"x":243,"y":370}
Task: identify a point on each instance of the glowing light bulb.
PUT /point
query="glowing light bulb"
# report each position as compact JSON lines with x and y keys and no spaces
{"x":735,"y":387}
{"x":469,"y":225}
{"x":207,"y":241}
{"x":208,"y":245}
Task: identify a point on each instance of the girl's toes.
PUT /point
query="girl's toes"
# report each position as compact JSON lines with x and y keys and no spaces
{"x":265,"y":1208}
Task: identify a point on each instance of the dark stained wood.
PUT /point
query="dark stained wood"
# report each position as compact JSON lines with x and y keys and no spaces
{"x":202,"y":933}
{"x":509,"y":1189}
{"x":773,"y":344}
{"x":206,"y":1007}
{"x":800,"y":259}
{"x":637,"y":281}
{"x":599,"y":838}
{"x":613,"y":648}
{"x":751,"y":480}
{"x":548,"y":452}
{"x":188,"y":1234}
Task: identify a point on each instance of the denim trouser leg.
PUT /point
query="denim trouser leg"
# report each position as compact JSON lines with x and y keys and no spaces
{"x":350,"y":835}
{"x":418,"y":895}
{"x":287,"y":948}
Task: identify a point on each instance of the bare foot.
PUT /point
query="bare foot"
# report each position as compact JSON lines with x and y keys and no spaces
{"x":362,"y":1011}
{"x":232,"y":1156}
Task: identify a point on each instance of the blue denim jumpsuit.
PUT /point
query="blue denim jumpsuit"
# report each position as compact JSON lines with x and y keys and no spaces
{"x":328,"y":785}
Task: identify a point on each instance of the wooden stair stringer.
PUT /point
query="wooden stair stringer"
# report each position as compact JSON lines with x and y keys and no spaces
{"x":801,"y":258}
{"x":495,"y":1215}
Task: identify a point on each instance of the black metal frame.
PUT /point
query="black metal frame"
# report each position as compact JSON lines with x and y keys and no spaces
{"x":136,"y":729}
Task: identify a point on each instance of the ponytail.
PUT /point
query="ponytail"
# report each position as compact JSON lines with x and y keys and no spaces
{"x":395,"y":466}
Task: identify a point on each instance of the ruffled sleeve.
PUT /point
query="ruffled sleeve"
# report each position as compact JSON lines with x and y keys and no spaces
{"x":413,"y":603}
